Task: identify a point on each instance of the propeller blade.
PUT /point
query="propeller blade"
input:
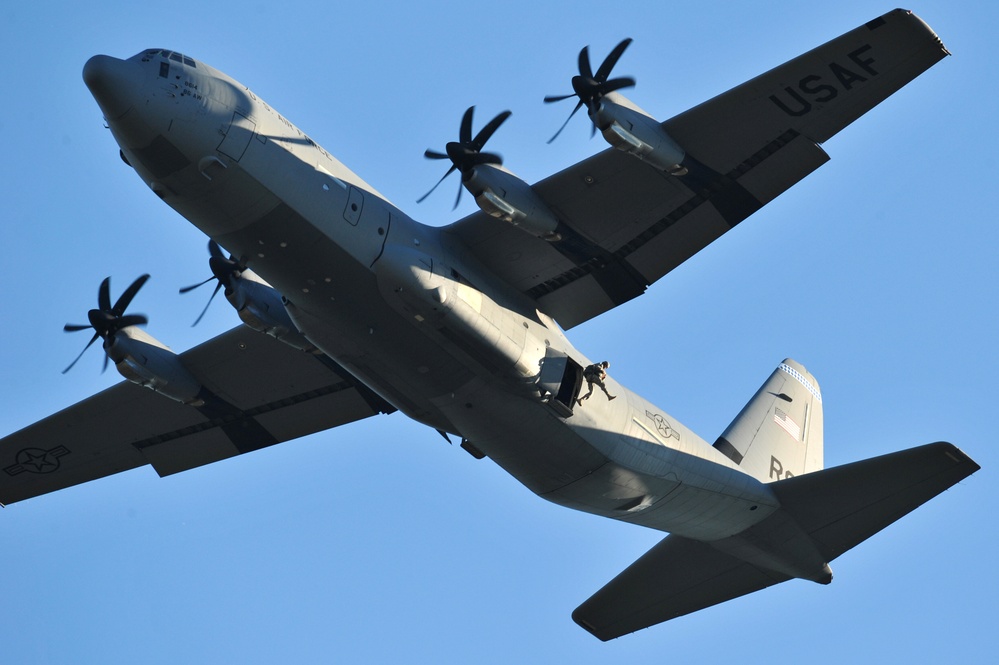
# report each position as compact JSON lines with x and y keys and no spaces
{"x":104,"y":295}
{"x":584,"y":63}
{"x":486,"y":132}
{"x":465,"y":132}
{"x":74,"y":327}
{"x":617,"y":84}
{"x":92,"y":340}
{"x":105,"y":367}
{"x":485,"y":158}
{"x":214,"y":250}
{"x":551,"y":99}
{"x":578,"y":106}
{"x":131,"y":320}
{"x":449,"y":172}
{"x":218,"y":287}
{"x":187,"y":289}
{"x":126,"y":298}
{"x":433,"y":154}
{"x":605,"y":69}
{"x":457,"y":199}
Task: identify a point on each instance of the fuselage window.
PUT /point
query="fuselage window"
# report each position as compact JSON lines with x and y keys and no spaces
{"x":176,"y":57}
{"x":165,"y":69}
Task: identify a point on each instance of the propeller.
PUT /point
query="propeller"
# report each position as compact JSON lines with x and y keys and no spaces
{"x":590,"y":87}
{"x":106,"y":320}
{"x":225,"y":270}
{"x":466,"y":153}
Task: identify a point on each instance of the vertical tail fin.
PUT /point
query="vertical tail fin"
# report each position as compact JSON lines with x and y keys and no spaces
{"x":778,"y":434}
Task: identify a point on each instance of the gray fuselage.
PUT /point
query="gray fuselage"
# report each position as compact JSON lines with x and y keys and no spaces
{"x":405,"y":308}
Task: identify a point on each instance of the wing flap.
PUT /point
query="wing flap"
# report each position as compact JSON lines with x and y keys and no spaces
{"x":258,"y":392}
{"x":676,"y":577}
{"x":187,"y":451}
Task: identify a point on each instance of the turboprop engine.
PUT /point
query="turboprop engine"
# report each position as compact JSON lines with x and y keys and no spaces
{"x":497,"y":192}
{"x":623,"y":124}
{"x":258,"y":304}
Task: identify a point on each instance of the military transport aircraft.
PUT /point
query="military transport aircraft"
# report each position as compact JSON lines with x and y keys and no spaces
{"x":364,"y":311}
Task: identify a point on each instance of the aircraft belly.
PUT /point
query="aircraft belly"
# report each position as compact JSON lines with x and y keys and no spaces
{"x":387,"y":357}
{"x":658,"y":473}
{"x":683,"y":500}
{"x":574,"y":464}
{"x":335,"y":302}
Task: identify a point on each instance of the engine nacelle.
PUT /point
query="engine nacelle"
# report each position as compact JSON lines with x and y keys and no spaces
{"x":261,"y":307}
{"x":632,"y":130}
{"x":503,"y":195}
{"x":145,"y":361}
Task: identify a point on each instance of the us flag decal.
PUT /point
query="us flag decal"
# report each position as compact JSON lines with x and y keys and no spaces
{"x":787,"y":424}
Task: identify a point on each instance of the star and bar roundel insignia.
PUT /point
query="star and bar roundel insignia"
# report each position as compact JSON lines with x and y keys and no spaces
{"x":663,"y":425}
{"x":36,"y":460}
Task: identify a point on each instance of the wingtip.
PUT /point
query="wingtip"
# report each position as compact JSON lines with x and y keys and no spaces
{"x":577,"y":617}
{"x":959,"y":456}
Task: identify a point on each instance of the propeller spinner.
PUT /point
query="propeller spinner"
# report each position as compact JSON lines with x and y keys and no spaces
{"x":107,"y":320}
{"x":590,"y":87}
{"x":466,"y":153}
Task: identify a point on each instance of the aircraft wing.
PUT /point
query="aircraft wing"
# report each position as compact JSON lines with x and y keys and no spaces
{"x":260,"y":392}
{"x":629,"y":224}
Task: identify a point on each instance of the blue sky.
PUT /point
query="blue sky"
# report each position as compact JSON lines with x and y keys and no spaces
{"x":380,"y":543}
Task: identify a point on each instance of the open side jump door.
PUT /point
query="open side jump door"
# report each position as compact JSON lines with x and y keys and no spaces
{"x":561,"y":380}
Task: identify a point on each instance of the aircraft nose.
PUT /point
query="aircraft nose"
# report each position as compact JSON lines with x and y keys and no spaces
{"x":112,"y":82}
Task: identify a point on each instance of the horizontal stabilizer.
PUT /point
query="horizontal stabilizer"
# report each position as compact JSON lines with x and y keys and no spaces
{"x":676,"y":577}
{"x":837,"y":508}
{"x":843,"y":506}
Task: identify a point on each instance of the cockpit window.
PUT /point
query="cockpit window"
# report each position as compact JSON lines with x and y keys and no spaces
{"x":171,"y":55}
